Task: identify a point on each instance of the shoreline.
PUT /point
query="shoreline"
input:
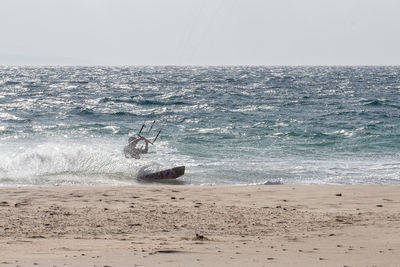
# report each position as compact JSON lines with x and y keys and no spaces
{"x":186,"y":225}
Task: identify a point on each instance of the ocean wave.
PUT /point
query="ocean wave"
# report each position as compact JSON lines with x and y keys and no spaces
{"x":83,"y":111}
{"x":159,"y":103}
{"x":4,"y":116}
{"x":117,"y":100}
{"x":50,"y":163}
{"x":375,"y":102}
{"x":232,"y":124}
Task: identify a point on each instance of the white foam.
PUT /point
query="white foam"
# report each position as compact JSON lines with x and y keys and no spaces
{"x":7,"y":116}
{"x":88,"y":161}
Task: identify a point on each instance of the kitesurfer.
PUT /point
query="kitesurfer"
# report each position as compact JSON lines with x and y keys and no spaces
{"x":131,"y":151}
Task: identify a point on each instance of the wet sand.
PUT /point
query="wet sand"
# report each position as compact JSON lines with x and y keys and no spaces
{"x":277,"y":225}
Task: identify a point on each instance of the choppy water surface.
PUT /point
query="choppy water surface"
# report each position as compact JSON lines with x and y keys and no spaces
{"x":228,"y":125}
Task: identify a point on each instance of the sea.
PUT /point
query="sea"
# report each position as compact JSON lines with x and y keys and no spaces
{"x":229,"y":125}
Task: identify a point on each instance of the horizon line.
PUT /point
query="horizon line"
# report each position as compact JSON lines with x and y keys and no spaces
{"x":198,"y":65}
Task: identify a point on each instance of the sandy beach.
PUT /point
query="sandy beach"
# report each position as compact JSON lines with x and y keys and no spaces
{"x":278,"y":225}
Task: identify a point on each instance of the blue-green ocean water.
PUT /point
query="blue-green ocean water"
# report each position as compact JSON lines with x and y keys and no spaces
{"x":228,"y":125}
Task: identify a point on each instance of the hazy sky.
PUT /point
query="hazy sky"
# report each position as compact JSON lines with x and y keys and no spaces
{"x":200,"y":32}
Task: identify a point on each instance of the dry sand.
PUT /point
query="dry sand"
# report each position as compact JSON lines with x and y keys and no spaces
{"x":279,"y":225}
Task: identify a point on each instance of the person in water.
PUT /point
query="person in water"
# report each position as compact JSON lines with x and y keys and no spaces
{"x":131,"y":151}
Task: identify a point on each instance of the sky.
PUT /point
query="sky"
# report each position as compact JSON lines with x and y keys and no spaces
{"x":199,"y":32}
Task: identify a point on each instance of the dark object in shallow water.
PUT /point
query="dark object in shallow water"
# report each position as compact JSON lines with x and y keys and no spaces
{"x":165,"y":174}
{"x":272,"y":183}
